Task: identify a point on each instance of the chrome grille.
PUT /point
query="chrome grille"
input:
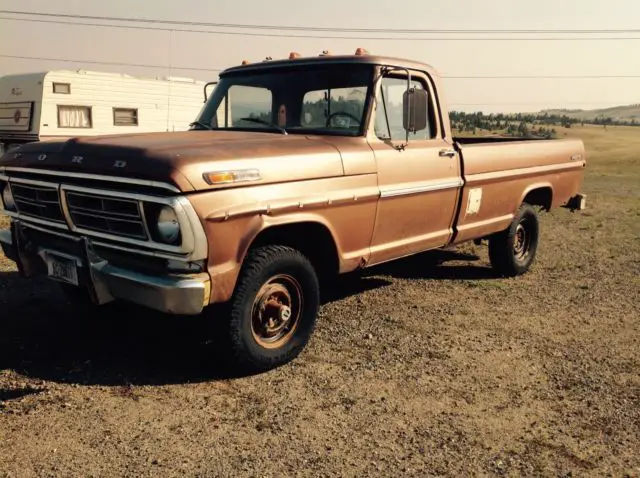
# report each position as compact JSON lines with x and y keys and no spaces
{"x":39,"y":201}
{"x":106,"y":214}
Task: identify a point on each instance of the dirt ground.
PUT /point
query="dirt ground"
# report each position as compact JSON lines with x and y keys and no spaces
{"x":429,"y":366}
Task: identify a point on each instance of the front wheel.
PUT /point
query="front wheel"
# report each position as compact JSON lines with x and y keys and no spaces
{"x":274,"y":308}
{"x":513,"y":251}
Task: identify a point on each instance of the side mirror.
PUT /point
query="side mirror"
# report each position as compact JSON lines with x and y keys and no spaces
{"x":414,"y":110}
{"x":205,"y":89}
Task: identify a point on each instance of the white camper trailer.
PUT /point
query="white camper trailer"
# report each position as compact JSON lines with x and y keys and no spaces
{"x":63,"y":104}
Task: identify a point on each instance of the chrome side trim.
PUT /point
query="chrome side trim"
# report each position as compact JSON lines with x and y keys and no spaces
{"x":99,"y":177}
{"x":422,"y":189}
{"x":282,"y":206}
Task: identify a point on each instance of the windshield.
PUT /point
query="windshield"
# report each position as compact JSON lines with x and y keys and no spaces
{"x":322,"y":99}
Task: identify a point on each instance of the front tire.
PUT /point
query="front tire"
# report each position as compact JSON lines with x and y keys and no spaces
{"x":512,"y":252}
{"x":274,"y":309}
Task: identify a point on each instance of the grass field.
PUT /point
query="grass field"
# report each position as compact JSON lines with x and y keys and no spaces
{"x":428,"y":366}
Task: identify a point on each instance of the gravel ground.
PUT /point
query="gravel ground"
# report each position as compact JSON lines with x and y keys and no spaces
{"x":427,"y":366}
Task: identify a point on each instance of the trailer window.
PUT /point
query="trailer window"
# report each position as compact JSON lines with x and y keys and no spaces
{"x":74,"y":116}
{"x":125,"y":117}
{"x":62,"y":88}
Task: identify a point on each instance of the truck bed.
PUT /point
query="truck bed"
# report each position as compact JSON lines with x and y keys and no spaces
{"x":500,"y":172}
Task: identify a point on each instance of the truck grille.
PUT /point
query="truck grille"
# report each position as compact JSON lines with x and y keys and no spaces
{"x":106,"y":214}
{"x":38,"y":201}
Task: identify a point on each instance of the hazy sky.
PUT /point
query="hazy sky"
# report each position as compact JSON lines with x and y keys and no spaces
{"x":451,"y":58}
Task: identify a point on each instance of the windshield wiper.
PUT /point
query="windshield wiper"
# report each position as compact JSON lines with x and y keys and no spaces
{"x":258,"y":120}
{"x":200,"y":123}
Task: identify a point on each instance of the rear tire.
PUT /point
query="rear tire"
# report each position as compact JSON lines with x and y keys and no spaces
{"x":273,"y":310}
{"x":512,"y":252}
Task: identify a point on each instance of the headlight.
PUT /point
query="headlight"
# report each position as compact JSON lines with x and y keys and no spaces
{"x":7,"y":198}
{"x":168,"y":226}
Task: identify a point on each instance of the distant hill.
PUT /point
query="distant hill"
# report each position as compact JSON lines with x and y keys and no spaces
{"x":618,"y":113}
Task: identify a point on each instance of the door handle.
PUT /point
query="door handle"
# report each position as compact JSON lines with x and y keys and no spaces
{"x":449,"y":153}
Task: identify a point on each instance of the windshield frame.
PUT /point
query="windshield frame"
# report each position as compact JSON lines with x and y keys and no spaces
{"x":226,"y":80}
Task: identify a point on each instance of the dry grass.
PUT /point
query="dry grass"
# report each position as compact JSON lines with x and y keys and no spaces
{"x":416,"y":368}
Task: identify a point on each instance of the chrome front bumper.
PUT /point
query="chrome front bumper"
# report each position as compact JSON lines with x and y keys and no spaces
{"x":181,"y":294}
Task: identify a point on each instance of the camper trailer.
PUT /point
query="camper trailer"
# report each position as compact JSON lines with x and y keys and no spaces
{"x":62,"y":104}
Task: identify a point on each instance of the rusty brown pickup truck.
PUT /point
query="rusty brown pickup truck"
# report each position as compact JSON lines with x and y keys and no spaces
{"x":294,"y":171}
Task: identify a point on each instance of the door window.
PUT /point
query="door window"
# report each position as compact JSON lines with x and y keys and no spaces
{"x":388,"y":118}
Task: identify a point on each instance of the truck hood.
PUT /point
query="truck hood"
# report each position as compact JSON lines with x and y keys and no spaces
{"x":181,"y":158}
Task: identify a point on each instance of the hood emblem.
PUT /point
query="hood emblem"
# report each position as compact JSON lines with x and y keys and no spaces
{"x":42,"y":157}
{"x":77,"y":159}
{"x":120,"y":164}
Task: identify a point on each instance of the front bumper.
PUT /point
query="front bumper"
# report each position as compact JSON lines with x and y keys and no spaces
{"x":182,"y":294}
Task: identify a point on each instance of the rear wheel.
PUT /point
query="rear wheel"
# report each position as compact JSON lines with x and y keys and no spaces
{"x":274,"y":308}
{"x":513,"y":251}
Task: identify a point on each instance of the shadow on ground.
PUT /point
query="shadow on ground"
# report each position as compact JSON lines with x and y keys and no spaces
{"x":44,"y":337}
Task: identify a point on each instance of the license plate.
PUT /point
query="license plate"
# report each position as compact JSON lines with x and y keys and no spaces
{"x":63,"y":269}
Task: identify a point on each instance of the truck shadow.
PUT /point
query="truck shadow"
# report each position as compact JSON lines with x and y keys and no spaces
{"x":44,"y":337}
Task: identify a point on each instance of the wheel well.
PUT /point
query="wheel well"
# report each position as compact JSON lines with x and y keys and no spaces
{"x":313,"y":239}
{"x":540,"y":197}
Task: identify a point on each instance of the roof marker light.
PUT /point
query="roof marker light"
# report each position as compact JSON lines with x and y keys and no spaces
{"x":361,"y":52}
{"x":293,"y":55}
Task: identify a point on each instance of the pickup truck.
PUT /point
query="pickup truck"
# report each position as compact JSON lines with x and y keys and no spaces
{"x":294,"y":171}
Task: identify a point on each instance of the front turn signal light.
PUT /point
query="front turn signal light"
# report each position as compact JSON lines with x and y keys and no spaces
{"x":227,"y":177}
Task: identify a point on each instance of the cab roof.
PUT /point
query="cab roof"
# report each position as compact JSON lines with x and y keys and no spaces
{"x":331,"y":59}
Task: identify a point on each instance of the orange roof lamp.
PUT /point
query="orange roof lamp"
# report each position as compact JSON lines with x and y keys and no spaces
{"x":362,"y":52}
{"x":293,"y":55}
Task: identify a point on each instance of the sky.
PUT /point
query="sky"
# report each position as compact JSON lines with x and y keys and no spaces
{"x":177,"y":53}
